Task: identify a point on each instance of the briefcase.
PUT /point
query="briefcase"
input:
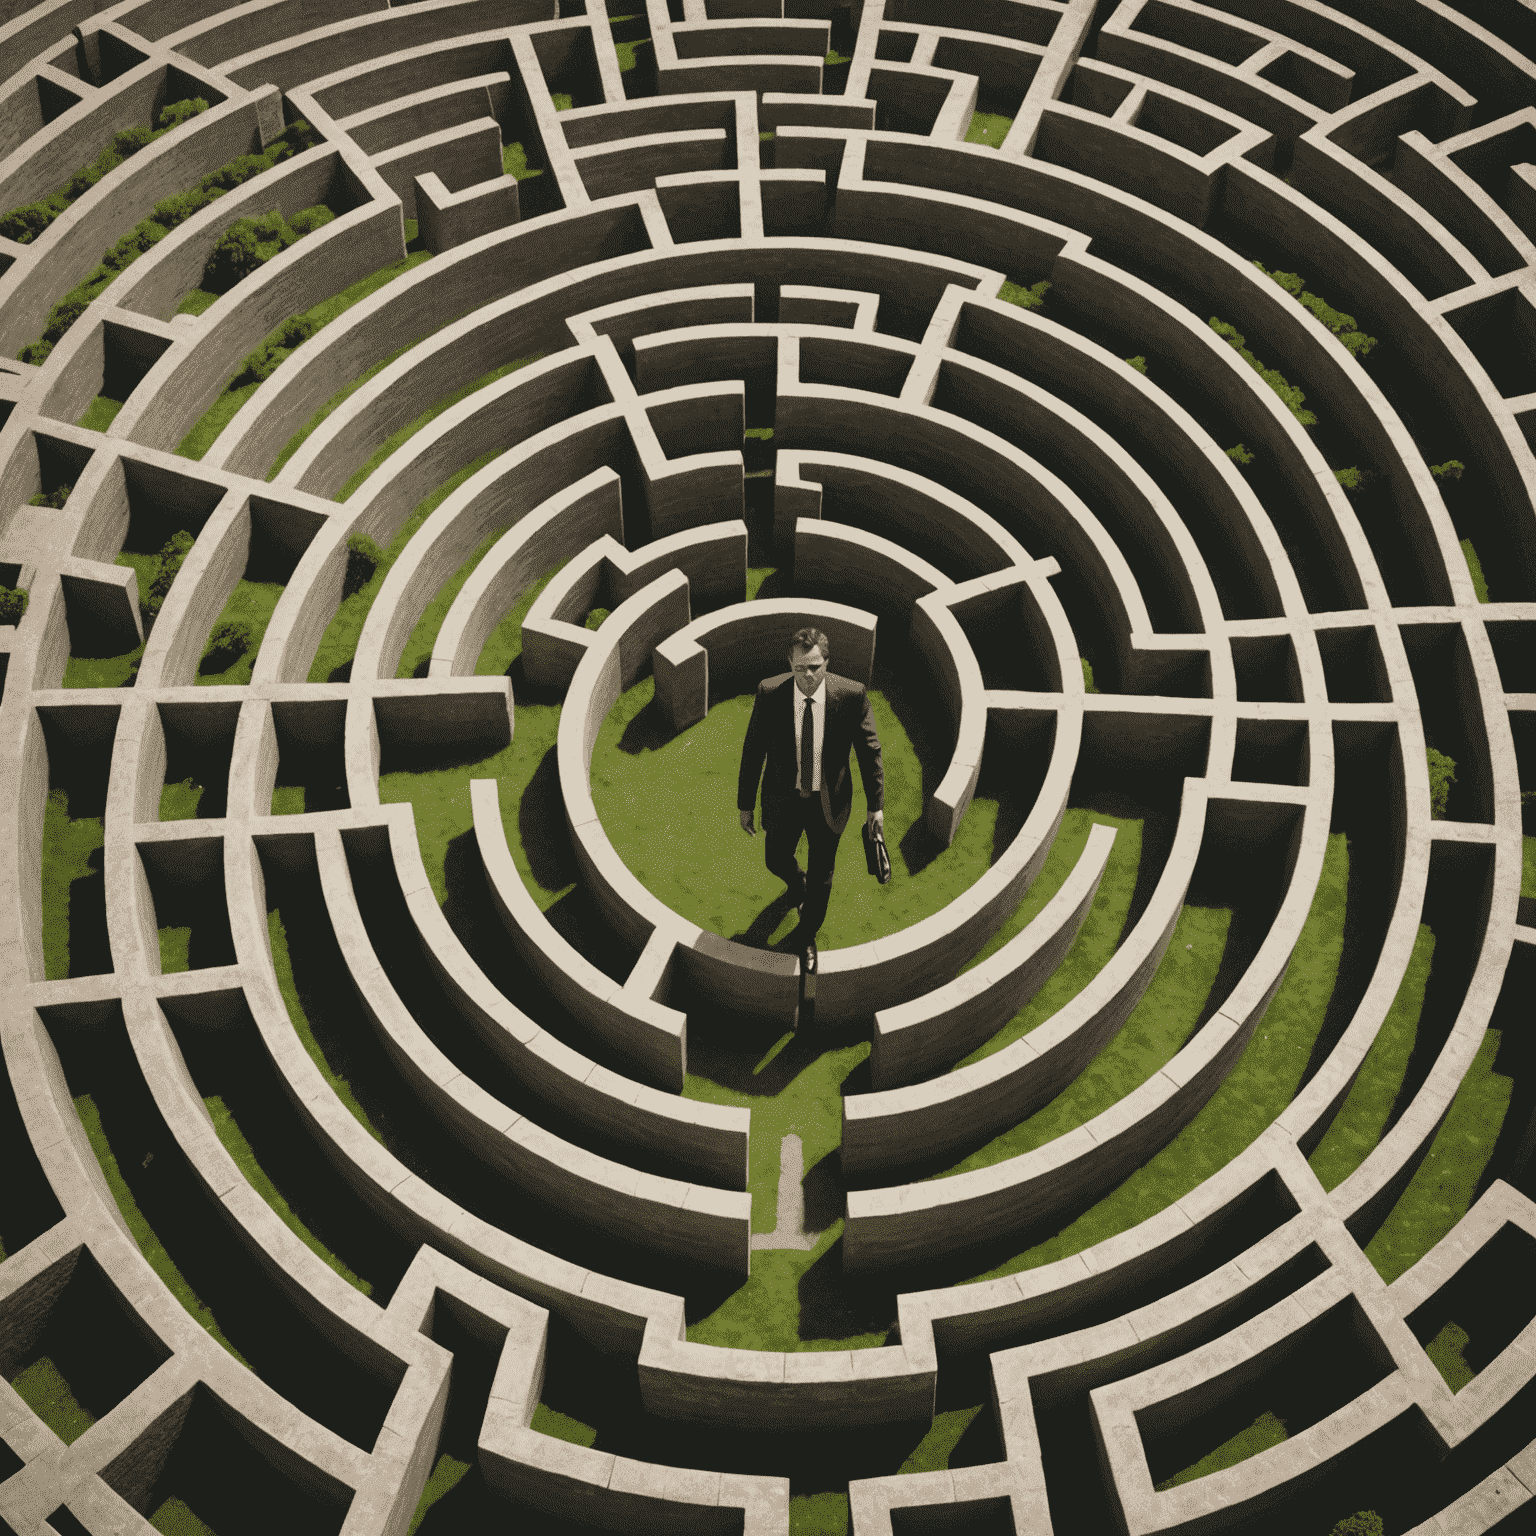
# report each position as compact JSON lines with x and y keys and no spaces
{"x":875,"y":854}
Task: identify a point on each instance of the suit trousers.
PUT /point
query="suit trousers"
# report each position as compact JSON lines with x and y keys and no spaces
{"x":782,"y":826}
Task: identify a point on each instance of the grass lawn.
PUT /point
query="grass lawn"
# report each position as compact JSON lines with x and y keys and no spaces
{"x":42,"y":1387}
{"x":1528,"y":866}
{"x":103,"y":671}
{"x":143,"y":1234}
{"x":1475,"y":570}
{"x":1440,"y":1192}
{"x":1258,"y":1088}
{"x":1264,"y":1432}
{"x":71,"y":854}
{"x":989,"y":128}
{"x":179,"y":801}
{"x":102,"y":413}
{"x":174,"y":1517}
{"x":1447,"y":1353}
{"x":1096,"y":940}
{"x":705,"y":868}
{"x":1363,"y":1116}
{"x":252,"y":603}
{"x":205,"y":431}
{"x":1158,"y":1027}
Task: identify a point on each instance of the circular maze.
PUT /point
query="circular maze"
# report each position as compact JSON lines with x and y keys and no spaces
{"x":424,"y":424}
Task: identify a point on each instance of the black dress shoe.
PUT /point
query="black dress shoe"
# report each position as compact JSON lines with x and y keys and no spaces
{"x":809,"y":960}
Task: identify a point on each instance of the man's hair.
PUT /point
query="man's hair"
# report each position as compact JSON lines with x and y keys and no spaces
{"x":807,"y":639}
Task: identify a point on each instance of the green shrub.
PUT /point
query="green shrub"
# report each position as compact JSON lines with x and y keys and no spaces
{"x":1089,"y":686}
{"x":168,"y":562}
{"x":127,"y":142}
{"x":13,"y":603}
{"x":175,"y":113}
{"x":307,"y":220}
{"x":1343,"y":326}
{"x":1351,"y":479}
{"x":1288,"y":392}
{"x":231,"y":639}
{"x":1025,"y":298}
{"x":54,"y":498}
{"x":364,"y":557}
{"x":246,"y":245}
{"x":562,"y":102}
{"x":1138,"y":362}
{"x":171,"y":211}
{"x":26,"y":223}
{"x":1365,"y":1522}
{"x":1442,"y":774}
{"x":1239,"y":454}
{"x":269,"y":356}
{"x":1452,"y":469}
{"x":133,"y":245}
{"x":595,"y":617}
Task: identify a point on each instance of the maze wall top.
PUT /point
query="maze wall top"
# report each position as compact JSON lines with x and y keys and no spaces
{"x":421,"y":428}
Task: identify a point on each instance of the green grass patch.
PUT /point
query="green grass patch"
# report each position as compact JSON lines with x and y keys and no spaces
{"x":1528,"y":866}
{"x":758,"y":574}
{"x":561,"y":1426}
{"x":1447,"y":1353}
{"x":1441,"y":1190}
{"x":179,"y":802}
{"x":206,"y":430}
{"x":229,"y":1132}
{"x":69,"y":842}
{"x":282,"y":963}
{"x":989,"y":128}
{"x":42,"y":1387}
{"x":704,"y":867}
{"x":175,"y":950}
{"x":196,"y":302}
{"x":446,"y":1476}
{"x":1264,"y":1432}
{"x":175,"y":1518}
{"x":819,"y":1514}
{"x":765,"y":1312}
{"x":514,"y":162}
{"x":1096,"y":940}
{"x":396,"y":439}
{"x":1475,"y":570}
{"x":938,"y":1445}
{"x":1258,"y":1088}
{"x":251,"y":603}
{"x":103,"y":671}
{"x":1032,"y":297}
{"x":1158,"y":1027}
{"x":143,"y":1234}
{"x":1364,"y":1114}
{"x":101,"y":414}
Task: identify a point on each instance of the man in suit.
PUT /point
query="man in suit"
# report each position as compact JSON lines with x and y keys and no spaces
{"x":804,"y":724}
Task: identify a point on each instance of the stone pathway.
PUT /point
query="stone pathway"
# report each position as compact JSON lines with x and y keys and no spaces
{"x":789,"y":1227}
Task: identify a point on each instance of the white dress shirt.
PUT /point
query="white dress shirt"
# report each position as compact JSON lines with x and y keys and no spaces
{"x":818,"y":734}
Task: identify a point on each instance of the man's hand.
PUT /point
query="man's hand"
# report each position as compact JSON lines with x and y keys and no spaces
{"x":746,"y":824}
{"x":876,"y":819}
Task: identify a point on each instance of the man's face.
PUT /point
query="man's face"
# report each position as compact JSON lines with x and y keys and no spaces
{"x":809,"y":668}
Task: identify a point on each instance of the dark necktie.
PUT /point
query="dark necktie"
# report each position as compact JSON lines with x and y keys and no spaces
{"x":807,"y":750}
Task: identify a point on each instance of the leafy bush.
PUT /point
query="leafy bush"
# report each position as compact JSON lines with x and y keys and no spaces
{"x":1288,"y":392}
{"x":1442,"y":774}
{"x":1026,"y":298}
{"x":54,"y":498}
{"x":133,"y":245}
{"x":266,"y":359}
{"x":231,"y":639}
{"x":1350,"y":478}
{"x":1365,"y":1522}
{"x":168,"y":562}
{"x":1343,"y":326}
{"x":26,"y":223}
{"x":13,"y":603}
{"x":364,"y":557}
{"x":307,"y":220}
{"x":1452,"y":469}
{"x":1239,"y":454}
{"x":245,"y":246}
{"x":1138,"y":362}
{"x":175,"y":113}
{"x":595,"y":617}
{"x":1089,"y":686}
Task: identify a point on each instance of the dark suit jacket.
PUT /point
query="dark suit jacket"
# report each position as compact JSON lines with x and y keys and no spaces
{"x":849,"y":726}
